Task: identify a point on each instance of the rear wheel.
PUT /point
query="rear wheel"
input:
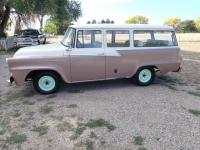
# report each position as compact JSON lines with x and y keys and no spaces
{"x":145,"y":76}
{"x":46,"y":82}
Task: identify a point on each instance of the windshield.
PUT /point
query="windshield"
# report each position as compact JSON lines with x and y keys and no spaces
{"x":28,"y":33}
{"x":68,"y":39}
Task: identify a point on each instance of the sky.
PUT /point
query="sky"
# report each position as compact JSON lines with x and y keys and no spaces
{"x":156,"y":10}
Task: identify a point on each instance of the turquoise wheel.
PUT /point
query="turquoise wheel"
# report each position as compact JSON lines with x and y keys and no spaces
{"x":145,"y":76}
{"x":46,"y":82}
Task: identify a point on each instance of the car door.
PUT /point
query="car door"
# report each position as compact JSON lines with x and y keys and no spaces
{"x":87,"y":58}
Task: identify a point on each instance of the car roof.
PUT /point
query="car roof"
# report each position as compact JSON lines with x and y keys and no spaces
{"x":125,"y":26}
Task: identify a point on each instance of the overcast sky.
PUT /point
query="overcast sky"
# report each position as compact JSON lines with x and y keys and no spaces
{"x":156,"y":10}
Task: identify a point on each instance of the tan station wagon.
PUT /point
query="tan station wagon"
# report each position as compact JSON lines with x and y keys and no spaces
{"x":98,"y":52}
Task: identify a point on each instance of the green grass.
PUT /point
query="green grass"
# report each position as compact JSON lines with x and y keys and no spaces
{"x":93,"y":135}
{"x":142,"y":148}
{"x":16,"y":114}
{"x":4,"y":52}
{"x":42,"y":130}
{"x":72,"y":106}
{"x":194,"y":112}
{"x":16,"y":138}
{"x":78,"y":132}
{"x":65,"y":126}
{"x":46,"y":109}
{"x":194,"y":93}
{"x":100,"y":123}
{"x":89,"y":145}
{"x":138,"y":140}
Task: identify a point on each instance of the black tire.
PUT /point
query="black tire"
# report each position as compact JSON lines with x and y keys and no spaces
{"x":141,"y":73}
{"x":45,"y":41}
{"x":40,"y":78}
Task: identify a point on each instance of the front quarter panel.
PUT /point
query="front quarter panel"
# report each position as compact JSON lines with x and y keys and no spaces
{"x":21,"y":67}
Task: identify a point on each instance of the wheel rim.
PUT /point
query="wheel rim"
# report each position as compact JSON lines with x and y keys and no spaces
{"x":145,"y":76}
{"x":47,"y":83}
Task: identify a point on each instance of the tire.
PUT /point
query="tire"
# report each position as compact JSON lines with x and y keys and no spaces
{"x":45,"y":41}
{"x":46,"y":82}
{"x":145,"y":76}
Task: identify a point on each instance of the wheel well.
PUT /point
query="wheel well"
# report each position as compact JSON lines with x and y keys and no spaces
{"x":33,"y":73}
{"x":156,"y":69}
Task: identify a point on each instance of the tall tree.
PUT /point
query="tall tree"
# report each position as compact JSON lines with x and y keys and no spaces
{"x":186,"y":26}
{"x":197,"y":24}
{"x":94,"y":21}
{"x":107,"y":21}
{"x":103,"y":21}
{"x":137,"y":20}
{"x":173,"y":22}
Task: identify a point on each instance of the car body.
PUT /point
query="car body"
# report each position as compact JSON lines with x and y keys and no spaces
{"x":29,"y":37}
{"x":99,"y":52}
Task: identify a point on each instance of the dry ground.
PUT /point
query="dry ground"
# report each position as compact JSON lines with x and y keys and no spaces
{"x":111,"y":115}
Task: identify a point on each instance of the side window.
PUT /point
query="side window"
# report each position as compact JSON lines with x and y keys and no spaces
{"x":89,"y":39}
{"x":118,"y":38}
{"x":165,"y":38}
{"x":154,"y":39}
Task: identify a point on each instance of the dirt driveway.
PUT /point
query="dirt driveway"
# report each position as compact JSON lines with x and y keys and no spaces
{"x":108,"y":115}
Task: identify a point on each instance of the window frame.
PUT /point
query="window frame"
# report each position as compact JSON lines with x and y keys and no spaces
{"x":130,"y":36}
{"x":173,"y":33}
{"x":102,"y":41}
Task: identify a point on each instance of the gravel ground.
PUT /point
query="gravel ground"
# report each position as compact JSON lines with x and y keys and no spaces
{"x":158,"y":113}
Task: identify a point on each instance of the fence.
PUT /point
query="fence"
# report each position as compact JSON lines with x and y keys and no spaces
{"x":7,"y":44}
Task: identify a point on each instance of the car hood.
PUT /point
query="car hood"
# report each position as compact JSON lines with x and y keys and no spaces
{"x":49,"y":50}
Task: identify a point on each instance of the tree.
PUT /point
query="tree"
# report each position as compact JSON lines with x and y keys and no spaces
{"x":108,"y":21}
{"x":94,"y":21}
{"x":197,"y":24}
{"x":137,"y":20}
{"x":66,"y":12}
{"x":174,"y":22}
{"x":112,"y":22}
{"x":103,"y":21}
{"x":186,"y":26}
{"x":88,"y":22}
{"x":50,"y":27}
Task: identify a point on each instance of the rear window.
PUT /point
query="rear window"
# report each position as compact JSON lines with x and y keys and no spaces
{"x":154,"y":39}
{"x":117,"y":38}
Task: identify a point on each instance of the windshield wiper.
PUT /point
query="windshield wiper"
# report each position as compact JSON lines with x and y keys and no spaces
{"x":63,"y":44}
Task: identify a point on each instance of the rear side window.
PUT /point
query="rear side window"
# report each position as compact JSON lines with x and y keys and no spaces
{"x":89,"y":39}
{"x":154,"y":39}
{"x":117,"y":38}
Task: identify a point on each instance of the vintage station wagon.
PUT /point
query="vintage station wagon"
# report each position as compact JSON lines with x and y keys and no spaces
{"x":98,"y":52}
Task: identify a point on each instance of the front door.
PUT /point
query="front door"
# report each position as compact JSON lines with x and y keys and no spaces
{"x":88,"y":58}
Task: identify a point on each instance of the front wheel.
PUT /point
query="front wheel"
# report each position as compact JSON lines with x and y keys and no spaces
{"x":145,"y":76}
{"x":46,"y":82}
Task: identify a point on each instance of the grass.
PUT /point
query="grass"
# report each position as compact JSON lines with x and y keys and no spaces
{"x":142,"y":148}
{"x":16,"y":138}
{"x":3,"y":126}
{"x":4,"y":52}
{"x":171,"y":80}
{"x":46,"y":109}
{"x":65,"y":126}
{"x":194,"y":93}
{"x":93,"y":135}
{"x":72,"y":106}
{"x":194,"y":112}
{"x":77,"y":132}
{"x":89,"y":145}
{"x":42,"y":130}
{"x":100,"y":123}
{"x":138,"y":140}
{"x":16,"y":114}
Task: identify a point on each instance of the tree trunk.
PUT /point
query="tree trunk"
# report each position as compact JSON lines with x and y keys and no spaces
{"x":41,"y":18}
{"x":4,"y":21}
